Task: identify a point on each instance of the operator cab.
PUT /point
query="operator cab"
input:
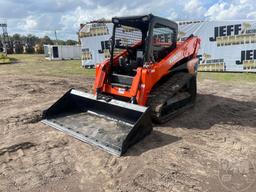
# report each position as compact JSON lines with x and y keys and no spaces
{"x":138,"y":40}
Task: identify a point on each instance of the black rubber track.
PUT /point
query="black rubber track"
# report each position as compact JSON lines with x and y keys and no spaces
{"x":162,"y":93}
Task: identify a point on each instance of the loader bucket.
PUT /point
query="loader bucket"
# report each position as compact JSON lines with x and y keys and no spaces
{"x":113,"y":126}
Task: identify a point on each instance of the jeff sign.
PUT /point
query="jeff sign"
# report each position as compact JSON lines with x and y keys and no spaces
{"x":225,"y":45}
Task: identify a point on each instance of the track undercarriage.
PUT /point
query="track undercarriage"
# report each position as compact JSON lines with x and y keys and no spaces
{"x":172,"y":97}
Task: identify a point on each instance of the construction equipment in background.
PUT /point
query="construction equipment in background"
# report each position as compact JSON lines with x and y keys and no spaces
{"x":5,"y":40}
{"x":149,"y":76}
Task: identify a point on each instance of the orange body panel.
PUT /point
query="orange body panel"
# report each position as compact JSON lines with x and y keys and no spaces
{"x":146,"y":77}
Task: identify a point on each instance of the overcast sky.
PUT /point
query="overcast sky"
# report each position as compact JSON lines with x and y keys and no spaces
{"x":42,"y":17}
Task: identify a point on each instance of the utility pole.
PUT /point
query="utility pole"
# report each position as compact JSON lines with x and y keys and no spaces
{"x":4,"y":37}
{"x":55,"y":33}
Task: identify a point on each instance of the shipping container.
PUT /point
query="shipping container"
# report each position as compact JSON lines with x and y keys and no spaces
{"x":62,"y":52}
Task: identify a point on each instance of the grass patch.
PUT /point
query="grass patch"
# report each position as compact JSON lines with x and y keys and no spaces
{"x":226,"y":77}
{"x":32,"y":64}
{"x":4,"y":59}
{"x":38,"y":65}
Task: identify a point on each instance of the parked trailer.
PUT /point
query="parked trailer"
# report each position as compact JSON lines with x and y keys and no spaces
{"x":225,"y":45}
{"x":62,"y":52}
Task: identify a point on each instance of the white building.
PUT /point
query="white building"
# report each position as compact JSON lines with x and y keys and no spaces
{"x":225,"y":45}
{"x":94,"y":39}
{"x":62,"y":52}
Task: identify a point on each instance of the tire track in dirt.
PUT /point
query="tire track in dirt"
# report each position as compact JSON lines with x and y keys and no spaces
{"x":32,"y":156}
{"x":182,"y":155}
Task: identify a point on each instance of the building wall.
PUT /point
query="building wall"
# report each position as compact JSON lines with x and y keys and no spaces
{"x":95,"y":43}
{"x":225,"y":45}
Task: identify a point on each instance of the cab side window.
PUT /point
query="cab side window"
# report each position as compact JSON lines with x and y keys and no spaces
{"x":163,"y":41}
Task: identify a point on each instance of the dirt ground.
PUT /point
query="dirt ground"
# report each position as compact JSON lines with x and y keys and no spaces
{"x":211,"y":147}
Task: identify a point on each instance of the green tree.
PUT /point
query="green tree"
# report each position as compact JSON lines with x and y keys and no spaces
{"x":29,"y":49}
{"x":46,"y":40}
{"x":71,"y":42}
{"x":32,"y":39}
{"x":16,"y":42}
{"x":59,"y":42}
{"x":16,"y":37}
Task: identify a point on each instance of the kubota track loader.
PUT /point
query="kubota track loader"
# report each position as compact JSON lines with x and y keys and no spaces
{"x":149,"y":76}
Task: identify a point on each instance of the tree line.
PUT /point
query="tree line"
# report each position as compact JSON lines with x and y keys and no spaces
{"x":33,"y":44}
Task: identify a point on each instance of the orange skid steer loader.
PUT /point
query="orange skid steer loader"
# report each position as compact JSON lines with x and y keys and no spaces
{"x":150,"y":76}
